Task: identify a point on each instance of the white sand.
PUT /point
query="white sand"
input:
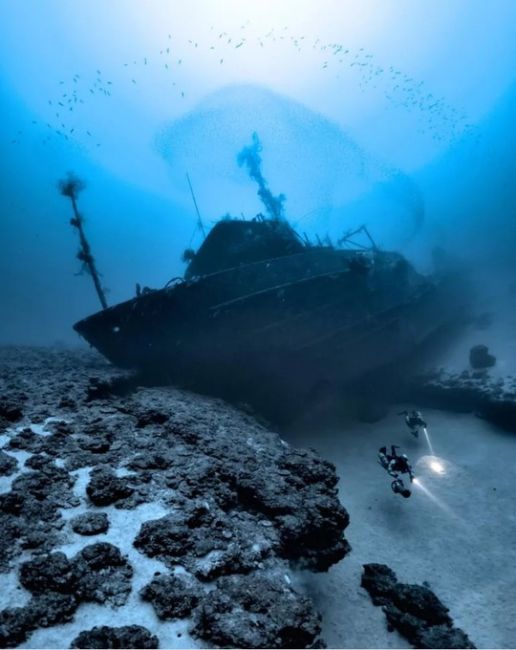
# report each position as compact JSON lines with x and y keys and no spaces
{"x":12,"y":594}
{"x":123,"y":528}
{"x":460,"y":536}
{"x":21,"y":456}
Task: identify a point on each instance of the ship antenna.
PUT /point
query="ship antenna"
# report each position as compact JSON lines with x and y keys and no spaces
{"x":199,"y":220}
{"x":369,"y":236}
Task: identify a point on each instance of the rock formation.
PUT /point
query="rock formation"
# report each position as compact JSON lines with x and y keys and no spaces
{"x":479,"y":357}
{"x":129,"y":636}
{"x":413,"y":610}
{"x":220,"y":503}
{"x":491,"y":399}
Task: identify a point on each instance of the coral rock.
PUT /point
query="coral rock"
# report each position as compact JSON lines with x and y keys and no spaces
{"x":8,"y":464}
{"x":48,"y":573}
{"x":413,"y":610}
{"x":90,"y":523}
{"x":106,"y":488}
{"x":103,"y":574}
{"x":128,"y":636}
{"x":256,"y":612}
{"x":479,"y":357}
{"x":172,"y":596}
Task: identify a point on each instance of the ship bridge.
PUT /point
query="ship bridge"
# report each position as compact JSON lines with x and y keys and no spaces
{"x":235,"y":242}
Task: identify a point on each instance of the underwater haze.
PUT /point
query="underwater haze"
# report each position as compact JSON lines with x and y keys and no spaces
{"x":258,"y":305}
{"x":394,"y":114}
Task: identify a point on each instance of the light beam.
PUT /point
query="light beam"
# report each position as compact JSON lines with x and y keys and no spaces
{"x":418,"y":483}
{"x":431,"y":449}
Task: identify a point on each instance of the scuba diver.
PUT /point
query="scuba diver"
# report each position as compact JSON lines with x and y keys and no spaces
{"x":414,"y":421}
{"x":395,"y":465}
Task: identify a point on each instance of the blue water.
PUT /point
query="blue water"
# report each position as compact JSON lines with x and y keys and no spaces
{"x":396,"y":114}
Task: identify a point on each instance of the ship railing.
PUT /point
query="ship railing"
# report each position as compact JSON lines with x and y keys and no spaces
{"x":173,"y":282}
{"x":277,"y":287}
{"x":346,"y":239}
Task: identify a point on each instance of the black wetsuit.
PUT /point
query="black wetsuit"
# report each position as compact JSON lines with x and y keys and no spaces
{"x":393,"y":463}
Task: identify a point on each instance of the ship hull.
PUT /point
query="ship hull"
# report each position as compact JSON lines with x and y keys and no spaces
{"x":277,"y":329}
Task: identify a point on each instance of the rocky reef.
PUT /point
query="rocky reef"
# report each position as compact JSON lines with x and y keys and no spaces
{"x":479,"y":357}
{"x":469,"y":391}
{"x":413,"y":610}
{"x":153,"y":498}
{"x":128,"y":636}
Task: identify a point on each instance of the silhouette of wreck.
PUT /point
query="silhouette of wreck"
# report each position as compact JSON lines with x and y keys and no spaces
{"x":266,"y":317}
{"x":262,"y":315}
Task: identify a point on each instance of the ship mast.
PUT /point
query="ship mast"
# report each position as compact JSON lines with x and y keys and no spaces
{"x":71,"y":187}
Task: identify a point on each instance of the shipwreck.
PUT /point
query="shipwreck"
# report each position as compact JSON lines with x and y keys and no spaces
{"x":264,"y":316}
